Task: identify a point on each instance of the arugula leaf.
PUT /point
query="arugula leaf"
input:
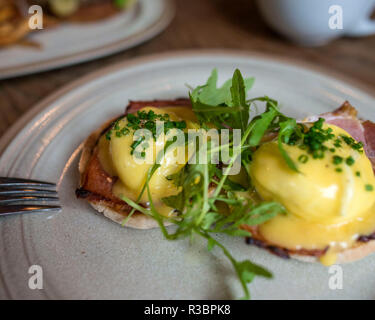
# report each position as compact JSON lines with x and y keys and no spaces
{"x":229,"y":184}
{"x":246,"y":270}
{"x":287,"y":128}
{"x":266,"y":121}
{"x":238,"y":92}
{"x":261,"y":125}
{"x":263,"y":212}
{"x":226,"y":106}
{"x":209,"y":94}
{"x":204,"y":189}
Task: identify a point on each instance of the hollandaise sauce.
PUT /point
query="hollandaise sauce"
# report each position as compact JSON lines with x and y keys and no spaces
{"x":118,"y":157}
{"x":330,"y":201}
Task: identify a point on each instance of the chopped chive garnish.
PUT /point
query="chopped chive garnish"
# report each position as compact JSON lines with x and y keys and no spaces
{"x":337,"y":143}
{"x":358,"y":174}
{"x":318,"y":154}
{"x":143,"y":119}
{"x":303,"y":158}
{"x":338,"y":170}
{"x":135,"y":144}
{"x":349,"y":161}
{"x":125,"y":131}
{"x":337,"y":160}
{"x":369,"y":187}
{"x":314,"y":139}
{"x":358,"y":146}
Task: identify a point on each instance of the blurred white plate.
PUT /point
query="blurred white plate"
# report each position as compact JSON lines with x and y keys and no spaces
{"x":69,"y":44}
{"x":86,"y":256}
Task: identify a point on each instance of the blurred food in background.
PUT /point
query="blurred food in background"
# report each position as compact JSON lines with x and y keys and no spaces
{"x":83,"y":10}
{"x":13,"y":25}
{"x":14,"y":17}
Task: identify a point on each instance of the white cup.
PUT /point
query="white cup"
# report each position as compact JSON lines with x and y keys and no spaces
{"x":316,"y":22}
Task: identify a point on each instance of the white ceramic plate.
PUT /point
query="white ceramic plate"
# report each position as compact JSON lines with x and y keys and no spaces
{"x":85,"y":256}
{"x":74,"y":43}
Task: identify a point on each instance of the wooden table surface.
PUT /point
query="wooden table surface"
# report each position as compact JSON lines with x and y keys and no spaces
{"x":234,"y":24}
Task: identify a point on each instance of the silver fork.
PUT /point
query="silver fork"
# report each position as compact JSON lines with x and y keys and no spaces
{"x":18,"y":196}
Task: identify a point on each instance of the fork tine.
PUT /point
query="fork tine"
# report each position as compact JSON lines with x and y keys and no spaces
{"x":18,"y":196}
{"x":26,"y":186}
{"x":28,"y":192}
{"x":14,"y":182}
{"x":25,"y":199}
{"x":20,"y":209}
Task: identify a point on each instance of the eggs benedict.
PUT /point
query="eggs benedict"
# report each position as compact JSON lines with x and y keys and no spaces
{"x":305,"y":189}
{"x":110,"y":167}
{"x":330,"y":202}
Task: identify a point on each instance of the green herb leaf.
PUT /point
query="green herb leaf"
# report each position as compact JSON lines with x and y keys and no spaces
{"x":225,"y":106}
{"x":287,"y":128}
{"x":209,"y":94}
{"x":261,"y":124}
{"x":238,"y":93}
{"x":198,"y":208}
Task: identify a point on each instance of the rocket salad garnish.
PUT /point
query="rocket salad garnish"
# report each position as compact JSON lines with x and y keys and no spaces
{"x":205,"y":188}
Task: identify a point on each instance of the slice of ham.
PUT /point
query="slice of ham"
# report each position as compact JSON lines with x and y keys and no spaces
{"x":346,"y":118}
{"x":369,"y":128}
